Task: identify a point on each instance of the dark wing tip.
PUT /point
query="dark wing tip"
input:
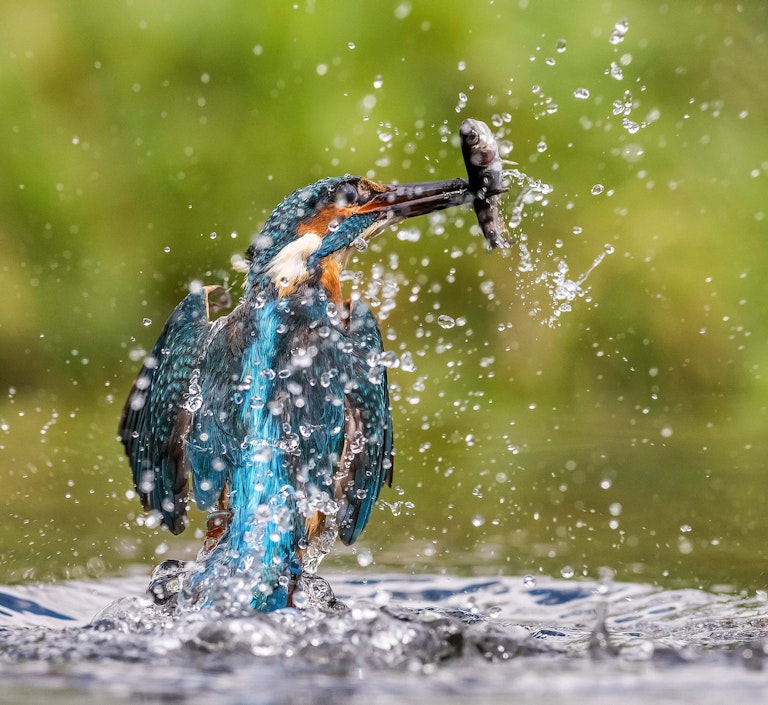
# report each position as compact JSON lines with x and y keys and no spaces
{"x":154,"y":422}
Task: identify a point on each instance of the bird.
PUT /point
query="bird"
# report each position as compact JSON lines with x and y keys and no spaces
{"x":275,"y":417}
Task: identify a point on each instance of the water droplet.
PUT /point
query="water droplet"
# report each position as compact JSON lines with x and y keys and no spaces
{"x":446,"y":321}
{"x":389,"y":359}
{"x":597,"y":189}
{"x":632,"y":152}
{"x":541,"y":146}
{"x":666,"y":432}
{"x":529,"y":581}
{"x":147,"y":322}
{"x":632,"y":127}
{"x":618,"y":32}
{"x":364,"y":557}
{"x":581,"y":93}
{"x":351,"y":45}
{"x":360,"y":244}
{"x":561,"y":46}
{"x":406,"y":362}
{"x":478,"y":520}
{"x":402,"y":10}
{"x":567,"y":572}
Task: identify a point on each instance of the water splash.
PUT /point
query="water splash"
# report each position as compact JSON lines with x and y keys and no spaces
{"x":536,"y":267}
{"x":530,"y":191}
{"x":473,"y":638}
{"x":563,"y":290}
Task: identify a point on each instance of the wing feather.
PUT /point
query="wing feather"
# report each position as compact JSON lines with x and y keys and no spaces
{"x":214,"y":444}
{"x":367,"y":458}
{"x":156,"y":418}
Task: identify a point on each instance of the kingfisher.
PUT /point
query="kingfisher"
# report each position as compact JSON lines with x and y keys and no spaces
{"x":276,"y":417}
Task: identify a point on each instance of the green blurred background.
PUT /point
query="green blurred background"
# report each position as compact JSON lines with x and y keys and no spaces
{"x":144,"y":142}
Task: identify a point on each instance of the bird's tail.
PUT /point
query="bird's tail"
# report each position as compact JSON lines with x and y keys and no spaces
{"x":254,"y":562}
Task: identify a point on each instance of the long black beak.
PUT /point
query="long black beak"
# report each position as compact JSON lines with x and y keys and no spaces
{"x":408,"y":200}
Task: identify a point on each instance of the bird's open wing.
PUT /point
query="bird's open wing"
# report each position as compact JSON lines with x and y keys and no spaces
{"x":156,"y":417}
{"x":214,"y":445}
{"x":366,"y":462}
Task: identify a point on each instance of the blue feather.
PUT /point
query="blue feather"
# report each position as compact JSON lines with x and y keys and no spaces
{"x":279,"y":410}
{"x":369,"y":416}
{"x":156,"y":416}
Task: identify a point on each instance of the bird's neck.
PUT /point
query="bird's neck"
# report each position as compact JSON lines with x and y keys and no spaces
{"x":330,"y":280}
{"x":261,"y":286}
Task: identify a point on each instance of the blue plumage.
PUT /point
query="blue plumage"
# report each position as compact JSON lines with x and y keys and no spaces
{"x":156,"y":417}
{"x":278,"y":412}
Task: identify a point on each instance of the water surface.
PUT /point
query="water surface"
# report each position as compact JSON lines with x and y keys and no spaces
{"x":434,"y":639}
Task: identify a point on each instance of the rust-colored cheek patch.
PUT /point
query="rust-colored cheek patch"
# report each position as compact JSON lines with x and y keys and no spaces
{"x":321,"y":221}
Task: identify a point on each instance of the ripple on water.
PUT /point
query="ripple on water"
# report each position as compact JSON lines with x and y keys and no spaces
{"x":443,"y":638}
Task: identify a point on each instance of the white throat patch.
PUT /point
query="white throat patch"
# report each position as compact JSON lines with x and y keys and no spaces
{"x":289,"y":267}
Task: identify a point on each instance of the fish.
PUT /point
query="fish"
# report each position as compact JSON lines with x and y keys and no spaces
{"x":485,"y":178}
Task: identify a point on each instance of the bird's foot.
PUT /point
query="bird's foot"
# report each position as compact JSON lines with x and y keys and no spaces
{"x":216,"y":525}
{"x":168,"y":578}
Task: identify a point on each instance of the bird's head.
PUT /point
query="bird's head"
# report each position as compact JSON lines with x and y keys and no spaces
{"x":314,"y":229}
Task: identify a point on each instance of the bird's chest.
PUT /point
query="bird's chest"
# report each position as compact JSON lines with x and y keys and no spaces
{"x":295,"y":369}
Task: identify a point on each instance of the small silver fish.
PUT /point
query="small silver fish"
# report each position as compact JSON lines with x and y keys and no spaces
{"x":484,"y":173}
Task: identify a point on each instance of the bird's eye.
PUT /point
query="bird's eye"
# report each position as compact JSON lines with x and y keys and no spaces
{"x":346,"y":195}
{"x":472,"y":138}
